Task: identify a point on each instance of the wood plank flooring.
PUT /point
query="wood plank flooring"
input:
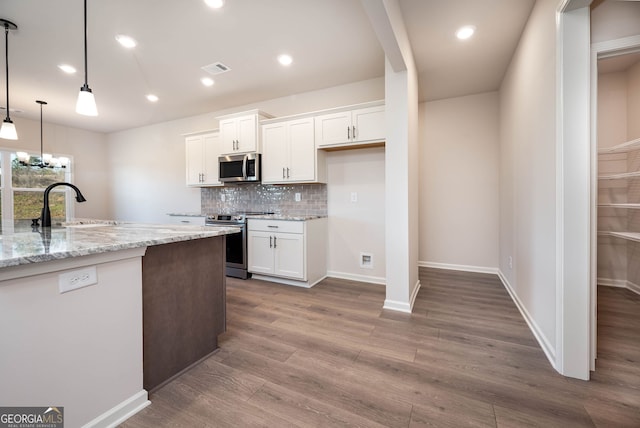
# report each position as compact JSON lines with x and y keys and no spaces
{"x":331,"y":357}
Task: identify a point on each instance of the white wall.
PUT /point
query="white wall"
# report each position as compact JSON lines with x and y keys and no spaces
{"x":88,"y":150}
{"x":527,"y":172}
{"x":459,"y":189}
{"x":147,"y":164}
{"x":357,"y":227}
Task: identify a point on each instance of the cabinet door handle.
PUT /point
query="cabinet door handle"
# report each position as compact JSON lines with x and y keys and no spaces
{"x":348,"y":133}
{"x":272,"y":226}
{"x":275,"y":239}
{"x":354,"y":132}
{"x":287,"y":172}
{"x":271,"y":242}
{"x":283,"y":172}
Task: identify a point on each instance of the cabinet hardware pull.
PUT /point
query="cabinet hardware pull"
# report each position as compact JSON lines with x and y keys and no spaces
{"x":282,"y":172}
{"x":287,"y":172}
{"x":354,"y":132}
{"x":272,"y":227}
{"x":270,"y":242}
{"x":275,"y":240}
{"x":348,"y":133}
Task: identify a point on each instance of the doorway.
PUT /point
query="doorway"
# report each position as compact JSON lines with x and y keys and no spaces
{"x":616,"y":323}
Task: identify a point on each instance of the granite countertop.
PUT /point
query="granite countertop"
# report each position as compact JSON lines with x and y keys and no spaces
{"x":87,"y":237}
{"x":289,"y":217}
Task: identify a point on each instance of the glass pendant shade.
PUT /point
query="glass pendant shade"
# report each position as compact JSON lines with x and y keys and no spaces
{"x":8,"y":130}
{"x":86,"y":103}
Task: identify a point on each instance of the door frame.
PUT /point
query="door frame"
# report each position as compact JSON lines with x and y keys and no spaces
{"x":600,"y":50}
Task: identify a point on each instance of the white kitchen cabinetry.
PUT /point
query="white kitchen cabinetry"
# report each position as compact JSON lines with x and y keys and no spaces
{"x":350,"y":126}
{"x":239,"y":132}
{"x":286,"y":251}
{"x":289,"y":153}
{"x":201,"y":153}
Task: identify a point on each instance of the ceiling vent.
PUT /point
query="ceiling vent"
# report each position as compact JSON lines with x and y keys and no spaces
{"x":216,"y":68}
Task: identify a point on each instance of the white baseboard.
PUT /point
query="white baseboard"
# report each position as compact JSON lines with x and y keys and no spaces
{"x":407,"y":307}
{"x":620,"y":283}
{"x":544,"y":343}
{"x":414,"y":294}
{"x":463,"y":268}
{"x":120,"y":413}
{"x":357,"y":277}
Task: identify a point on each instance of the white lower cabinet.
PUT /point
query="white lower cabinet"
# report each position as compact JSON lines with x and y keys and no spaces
{"x":286,"y":251}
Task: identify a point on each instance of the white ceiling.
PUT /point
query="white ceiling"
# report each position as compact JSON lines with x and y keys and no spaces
{"x":332,"y":43}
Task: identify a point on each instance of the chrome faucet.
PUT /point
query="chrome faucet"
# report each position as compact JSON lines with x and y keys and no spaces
{"x":46,"y":214}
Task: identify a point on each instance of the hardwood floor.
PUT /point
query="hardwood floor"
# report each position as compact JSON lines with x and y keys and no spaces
{"x":330,"y":356}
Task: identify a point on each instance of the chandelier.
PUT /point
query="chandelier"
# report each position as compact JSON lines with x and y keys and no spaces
{"x":46,"y":159}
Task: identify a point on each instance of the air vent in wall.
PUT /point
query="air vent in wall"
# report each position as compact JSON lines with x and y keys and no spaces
{"x":216,"y":68}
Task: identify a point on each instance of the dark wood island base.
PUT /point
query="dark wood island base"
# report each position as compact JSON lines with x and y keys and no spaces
{"x":183,"y":306}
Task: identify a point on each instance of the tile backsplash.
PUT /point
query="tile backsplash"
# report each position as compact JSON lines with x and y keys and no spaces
{"x":252,"y":197}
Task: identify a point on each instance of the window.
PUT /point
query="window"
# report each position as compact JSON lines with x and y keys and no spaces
{"x":22,"y":192}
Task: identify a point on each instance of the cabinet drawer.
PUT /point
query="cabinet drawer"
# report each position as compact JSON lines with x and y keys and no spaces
{"x":187,"y":220}
{"x":280,"y":226}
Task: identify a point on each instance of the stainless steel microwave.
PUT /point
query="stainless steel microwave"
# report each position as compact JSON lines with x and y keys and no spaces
{"x":238,"y":168}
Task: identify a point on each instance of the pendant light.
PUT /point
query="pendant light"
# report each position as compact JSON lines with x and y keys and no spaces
{"x":46,"y":159}
{"x":86,"y":104}
{"x":8,"y":129}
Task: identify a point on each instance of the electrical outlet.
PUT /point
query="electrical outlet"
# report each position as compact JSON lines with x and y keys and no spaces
{"x":223,"y":197}
{"x":366,"y":260}
{"x":298,"y":197}
{"x":75,"y":279}
{"x":354,"y":197}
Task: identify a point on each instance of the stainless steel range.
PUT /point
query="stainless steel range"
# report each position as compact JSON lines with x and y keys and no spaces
{"x":236,"y":242}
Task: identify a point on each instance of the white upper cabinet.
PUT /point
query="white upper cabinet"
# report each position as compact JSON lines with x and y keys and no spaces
{"x":289,"y":152}
{"x":358,"y":126}
{"x":201,"y":153}
{"x":239,"y":132}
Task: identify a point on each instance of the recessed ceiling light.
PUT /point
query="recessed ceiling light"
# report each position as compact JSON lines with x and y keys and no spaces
{"x":285,"y":59}
{"x":152,"y":98}
{"x":465,"y":32}
{"x":206,"y":81}
{"x":126,"y":41}
{"x":214,"y":4}
{"x":69,"y":69}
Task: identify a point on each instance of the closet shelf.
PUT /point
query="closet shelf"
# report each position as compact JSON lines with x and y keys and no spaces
{"x":622,"y":148}
{"x":619,"y":176}
{"x":629,"y":236}
{"x":630,"y":206}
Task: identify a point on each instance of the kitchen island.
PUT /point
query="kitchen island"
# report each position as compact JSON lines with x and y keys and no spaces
{"x":76,"y":301}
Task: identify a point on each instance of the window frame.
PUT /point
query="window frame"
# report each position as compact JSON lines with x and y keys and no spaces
{"x":7,"y":190}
